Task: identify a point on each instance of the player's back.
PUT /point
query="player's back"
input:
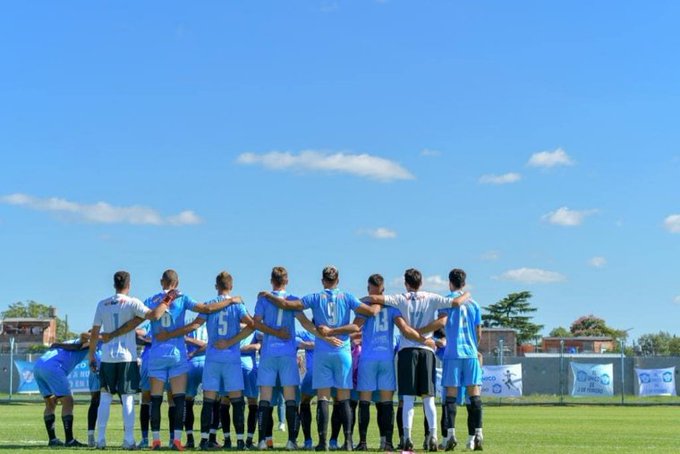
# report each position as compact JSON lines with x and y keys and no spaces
{"x":224,"y":324}
{"x":461,"y":334}
{"x":277,"y":318}
{"x":111,"y":314}
{"x":172,"y":319}
{"x":378,"y":335}
{"x":332,"y":308}
{"x":59,"y":358}
{"x":419,"y":310}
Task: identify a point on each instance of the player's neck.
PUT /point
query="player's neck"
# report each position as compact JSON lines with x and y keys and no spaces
{"x":223,"y":293}
{"x":279,"y":289}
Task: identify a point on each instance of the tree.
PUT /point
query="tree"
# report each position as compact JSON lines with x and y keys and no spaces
{"x":33,"y":309}
{"x":590,"y":325}
{"x":512,"y":312}
{"x":658,"y":344}
{"x":560,"y":332}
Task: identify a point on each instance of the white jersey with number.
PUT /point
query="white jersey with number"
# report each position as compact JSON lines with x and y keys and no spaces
{"x":111,"y":314}
{"x":419,"y":309}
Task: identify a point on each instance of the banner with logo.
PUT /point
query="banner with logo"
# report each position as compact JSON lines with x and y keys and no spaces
{"x":502,"y":381}
{"x":656,"y":382}
{"x":79,"y":379}
{"x":592,"y":380}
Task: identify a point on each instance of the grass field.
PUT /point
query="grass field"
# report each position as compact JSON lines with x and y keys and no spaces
{"x":526,"y":429}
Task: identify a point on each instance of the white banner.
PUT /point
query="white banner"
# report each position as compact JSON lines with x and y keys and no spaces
{"x":592,"y":379}
{"x":656,"y":382}
{"x":502,"y":381}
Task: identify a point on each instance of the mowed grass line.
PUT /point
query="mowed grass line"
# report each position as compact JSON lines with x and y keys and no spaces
{"x":507,"y":429}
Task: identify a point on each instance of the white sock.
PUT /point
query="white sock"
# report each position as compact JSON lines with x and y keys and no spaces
{"x":128,"y":404}
{"x":408,"y":415}
{"x":103,"y":414}
{"x":479,"y":432}
{"x":227,"y":434}
{"x":431,"y":415}
{"x":451,"y":433}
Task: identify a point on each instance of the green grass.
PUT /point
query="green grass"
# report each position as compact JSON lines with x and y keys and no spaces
{"x":508,"y":429}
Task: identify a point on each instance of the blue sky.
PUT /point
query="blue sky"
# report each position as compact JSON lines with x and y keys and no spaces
{"x":534,"y":144}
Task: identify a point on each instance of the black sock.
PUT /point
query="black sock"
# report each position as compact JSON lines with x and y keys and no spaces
{"x":476,"y":404}
{"x":336,"y":421}
{"x":400,"y":422}
{"x":354,"y":404}
{"x":379,"y":417}
{"x":451,"y":409}
{"x":179,"y":412}
{"x":144,"y":416}
{"x":347,"y":417}
{"x":252,"y":419}
{"x":306,"y":420}
{"x":171,"y":419}
{"x":263,"y":419}
{"x":322,"y":420}
{"x":189,"y":415}
{"x":92,"y":413}
{"x":68,"y":427}
{"x":225,"y":418}
{"x":470,"y":422}
{"x":207,"y":416}
{"x":388,"y":420}
{"x":292,"y":419}
{"x":156,"y":402}
{"x":442,"y":420}
{"x":239,"y":415}
{"x":364,"y":418}
{"x":270,"y":423}
{"x":49,"y":425}
{"x":215,"y":421}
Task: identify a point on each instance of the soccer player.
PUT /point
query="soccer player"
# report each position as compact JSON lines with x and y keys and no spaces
{"x":278,"y":359}
{"x":51,"y":375}
{"x":118,"y":369}
{"x":306,"y":342}
{"x":333,"y":365}
{"x":250,"y":346}
{"x":95,"y":394}
{"x":416,"y":361}
{"x":376,"y":364}
{"x":196,"y":342}
{"x":461,"y":363}
{"x":168,"y":355}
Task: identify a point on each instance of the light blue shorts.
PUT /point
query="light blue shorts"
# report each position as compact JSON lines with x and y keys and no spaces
{"x":332,"y":370}
{"x":222,"y":377}
{"x":195,"y":375}
{"x":51,"y":381}
{"x":376,"y":375}
{"x":94,"y":383}
{"x":461,"y":372}
{"x":306,"y":385}
{"x":284,"y":368}
{"x":166,"y":368}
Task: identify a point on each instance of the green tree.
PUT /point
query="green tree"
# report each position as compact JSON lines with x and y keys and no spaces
{"x":590,"y":325}
{"x":513,"y":312}
{"x":33,"y":309}
{"x":656,"y":344}
{"x":560,"y":332}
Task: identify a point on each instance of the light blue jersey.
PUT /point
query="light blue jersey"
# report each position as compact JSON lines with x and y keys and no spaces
{"x":224,"y":324}
{"x":171,"y":320}
{"x":378,"y":335}
{"x":201,"y":334}
{"x":461,"y":334}
{"x":277,"y":318}
{"x":331,"y":308}
{"x":60,"y":358}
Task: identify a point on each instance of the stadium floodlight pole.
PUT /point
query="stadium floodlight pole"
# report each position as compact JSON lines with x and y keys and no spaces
{"x":11,"y":366}
{"x":623,"y":377}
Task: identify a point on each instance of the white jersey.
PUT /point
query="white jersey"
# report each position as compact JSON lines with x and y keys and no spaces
{"x":111,"y":314}
{"x":419,"y":309}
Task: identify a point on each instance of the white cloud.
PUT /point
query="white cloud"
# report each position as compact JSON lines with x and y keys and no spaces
{"x":381,"y":233}
{"x":101,"y":212}
{"x":672,"y":223}
{"x":597,"y":262}
{"x":568,"y":218}
{"x":363,"y":165}
{"x":434,"y":283}
{"x":506,"y":178}
{"x":532,"y":276}
{"x":430,"y":153}
{"x":491,"y":256}
{"x":558,"y":157}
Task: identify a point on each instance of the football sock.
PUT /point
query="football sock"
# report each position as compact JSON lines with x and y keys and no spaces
{"x":178,"y":414}
{"x":263,"y":419}
{"x":292,"y":419}
{"x":388,"y":418}
{"x":206,"y":417}
{"x":306,"y":420}
{"x":400,"y":422}
{"x":128,"y":406}
{"x":239,"y":416}
{"x":189,"y":416}
{"x":92,"y":414}
{"x":408,"y":416}
{"x":155,"y":420}
{"x":451,"y":409}
{"x":364,"y":418}
{"x":252,"y":419}
{"x":144,"y":416}
{"x":322,"y":420}
{"x":171,"y":419}
{"x":336,"y":421}
{"x":225,"y":419}
{"x":431,"y":414}
{"x":103,"y":414}
{"x":354,"y":405}
{"x":49,"y":425}
{"x":476,"y":404}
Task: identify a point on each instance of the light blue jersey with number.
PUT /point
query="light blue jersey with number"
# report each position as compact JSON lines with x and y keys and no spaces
{"x":377,"y":335}
{"x":331,"y":308}
{"x":277,"y":318}
{"x":224,"y":324}
{"x":171,"y":320}
{"x":461,"y":334}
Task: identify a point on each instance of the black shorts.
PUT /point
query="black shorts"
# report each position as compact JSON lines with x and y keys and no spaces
{"x":119,"y":378}
{"x":416,"y":372}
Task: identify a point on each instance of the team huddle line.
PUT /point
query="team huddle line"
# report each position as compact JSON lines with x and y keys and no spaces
{"x":213,"y":351}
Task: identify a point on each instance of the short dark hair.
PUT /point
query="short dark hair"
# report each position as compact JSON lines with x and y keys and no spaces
{"x":224,"y":281}
{"x":170,"y":277}
{"x":330,"y":274}
{"x":376,"y":280}
{"x":413,"y":278}
{"x":121,"y":280}
{"x":279,"y":276}
{"x":457,"y":277}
